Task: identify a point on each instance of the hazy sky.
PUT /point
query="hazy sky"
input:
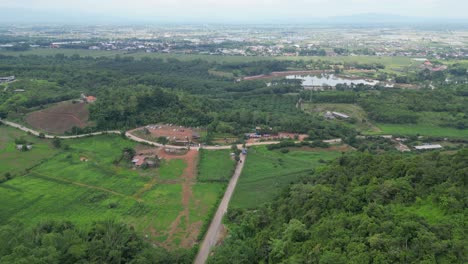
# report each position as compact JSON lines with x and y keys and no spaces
{"x":247,"y":9}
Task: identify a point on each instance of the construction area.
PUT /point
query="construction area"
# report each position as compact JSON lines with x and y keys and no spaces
{"x":176,"y":135}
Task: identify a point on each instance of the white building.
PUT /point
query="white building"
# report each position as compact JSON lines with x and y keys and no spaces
{"x":340,"y":115}
{"x":428,"y":146}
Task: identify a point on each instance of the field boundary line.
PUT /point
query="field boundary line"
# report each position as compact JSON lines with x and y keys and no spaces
{"x":41,"y":176}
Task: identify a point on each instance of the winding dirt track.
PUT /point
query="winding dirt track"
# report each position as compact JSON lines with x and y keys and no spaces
{"x":36,"y":133}
{"x":129,"y":135}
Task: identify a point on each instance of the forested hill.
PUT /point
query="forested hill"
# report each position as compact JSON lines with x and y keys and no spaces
{"x":360,"y":209}
{"x":133,"y":93}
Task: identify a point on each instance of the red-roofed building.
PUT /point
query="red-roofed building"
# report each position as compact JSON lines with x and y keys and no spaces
{"x":427,"y":63}
{"x":90,"y":99}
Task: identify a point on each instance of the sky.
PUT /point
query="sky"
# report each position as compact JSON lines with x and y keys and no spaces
{"x":239,"y":10}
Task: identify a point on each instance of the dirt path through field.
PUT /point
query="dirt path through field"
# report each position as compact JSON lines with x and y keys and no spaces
{"x":182,"y":221}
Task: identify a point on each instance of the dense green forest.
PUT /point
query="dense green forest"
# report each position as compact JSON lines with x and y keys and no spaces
{"x":137,"y":92}
{"x":62,"y":242}
{"x":362,"y":208}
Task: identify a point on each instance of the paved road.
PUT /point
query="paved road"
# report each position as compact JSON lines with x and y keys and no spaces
{"x":213,"y":231}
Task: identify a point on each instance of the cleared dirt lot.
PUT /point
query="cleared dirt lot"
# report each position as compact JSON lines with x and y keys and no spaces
{"x":59,"y":118}
{"x":173,"y":133}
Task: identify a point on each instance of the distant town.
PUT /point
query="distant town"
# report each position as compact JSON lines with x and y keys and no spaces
{"x":243,"y":41}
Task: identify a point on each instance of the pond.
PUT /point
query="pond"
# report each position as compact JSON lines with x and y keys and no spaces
{"x":328,"y":80}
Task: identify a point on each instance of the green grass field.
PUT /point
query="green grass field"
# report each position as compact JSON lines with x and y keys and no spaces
{"x":16,"y":162}
{"x":65,"y":188}
{"x":429,"y":123}
{"x":215,"y":166}
{"x":352,"y":110}
{"x":171,"y":170}
{"x":267,"y":172}
{"x":421,"y":129}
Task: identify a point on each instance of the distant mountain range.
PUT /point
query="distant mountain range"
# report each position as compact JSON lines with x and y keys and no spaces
{"x":372,"y":18}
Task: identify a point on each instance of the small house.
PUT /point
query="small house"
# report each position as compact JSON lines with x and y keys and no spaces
{"x":329,"y":115}
{"x":427,"y":63}
{"x":7,"y":79}
{"x":88,"y":99}
{"x":91,"y":99}
{"x":20,"y":147}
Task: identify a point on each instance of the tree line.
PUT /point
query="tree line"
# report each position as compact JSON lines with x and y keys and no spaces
{"x":362,"y":208}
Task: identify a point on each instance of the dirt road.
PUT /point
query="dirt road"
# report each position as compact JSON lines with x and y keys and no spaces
{"x":36,"y":133}
{"x":131,"y":136}
{"x":215,"y":226}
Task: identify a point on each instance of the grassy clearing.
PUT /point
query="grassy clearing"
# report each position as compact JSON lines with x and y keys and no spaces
{"x":422,"y":129}
{"x":207,"y":194}
{"x":16,"y":162}
{"x":362,"y":123}
{"x":267,"y":172}
{"x":425,"y":209}
{"x":221,"y":74}
{"x":429,"y":123}
{"x":162,"y":205}
{"x":66,"y":188}
{"x":172,"y":169}
{"x":30,"y":200}
{"x":99,"y":171}
{"x":215,"y":166}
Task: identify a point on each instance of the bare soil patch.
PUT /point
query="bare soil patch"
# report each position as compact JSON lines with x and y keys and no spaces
{"x":59,"y":118}
{"x":175,"y":134}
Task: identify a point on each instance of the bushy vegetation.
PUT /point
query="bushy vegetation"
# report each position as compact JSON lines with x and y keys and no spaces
{"x":439,"y":108}
{"x":290,"y":143}
{"x":83,"y":184}
{"x":267,"y":172}
{"x":15,"y":162}
{"x":136,"y":92}
{"x":63,"y":242}
{"x":361,"y":209}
